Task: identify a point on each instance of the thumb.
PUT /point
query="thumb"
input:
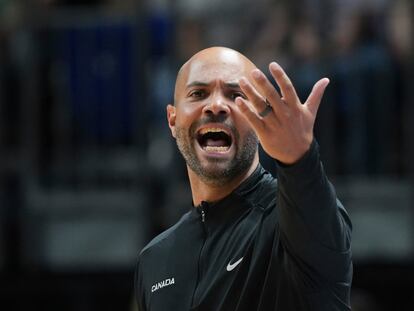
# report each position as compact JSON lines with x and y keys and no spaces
{"x":316,"y":94}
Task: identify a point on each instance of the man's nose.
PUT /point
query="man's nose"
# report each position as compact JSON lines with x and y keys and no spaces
{"x":217,"y":106}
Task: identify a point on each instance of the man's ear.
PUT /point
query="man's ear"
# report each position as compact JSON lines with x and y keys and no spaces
{"x":171,"y":118}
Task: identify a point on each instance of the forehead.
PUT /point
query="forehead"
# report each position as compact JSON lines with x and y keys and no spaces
{"x":225,"y":65}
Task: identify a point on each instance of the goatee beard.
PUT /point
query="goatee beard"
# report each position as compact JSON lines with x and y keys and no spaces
{"x":215,"y":175}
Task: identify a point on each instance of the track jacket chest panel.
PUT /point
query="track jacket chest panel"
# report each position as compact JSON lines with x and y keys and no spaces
{"x":214,"y":257}
{"x":226,"y":257}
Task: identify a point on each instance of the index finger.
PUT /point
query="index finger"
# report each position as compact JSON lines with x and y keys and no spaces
{"x":268,"y":91}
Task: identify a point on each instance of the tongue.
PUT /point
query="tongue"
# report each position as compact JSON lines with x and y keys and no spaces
{"x":216,"y":143}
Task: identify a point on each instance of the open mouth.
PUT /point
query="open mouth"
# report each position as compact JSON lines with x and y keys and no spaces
{"x":215,"y":140}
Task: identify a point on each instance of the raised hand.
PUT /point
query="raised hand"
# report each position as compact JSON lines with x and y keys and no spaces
{"x":282,"y":123}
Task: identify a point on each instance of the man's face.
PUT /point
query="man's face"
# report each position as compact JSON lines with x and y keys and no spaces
{"x":212,"y":135}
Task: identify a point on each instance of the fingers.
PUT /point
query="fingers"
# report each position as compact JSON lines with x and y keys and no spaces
{"x":250,"y":114}
{"x":286,"y":87}
{"x":254,"y":97}
{"x":282,"y":106}
{"x":267,"y":90}
{"x":316,"y":94}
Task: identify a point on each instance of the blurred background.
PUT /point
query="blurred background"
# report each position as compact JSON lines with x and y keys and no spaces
{"x":89,"y":172}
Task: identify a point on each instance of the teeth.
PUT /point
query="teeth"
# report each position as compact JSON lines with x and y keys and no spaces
{"x":211,"y":130}
{"x":216,"y":149}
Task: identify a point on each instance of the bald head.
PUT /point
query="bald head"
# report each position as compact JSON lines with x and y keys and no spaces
{"x":210,"y":64}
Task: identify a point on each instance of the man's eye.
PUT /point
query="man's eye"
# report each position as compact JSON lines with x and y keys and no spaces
{"x":197,"y":93}
{"x":234,"y":95}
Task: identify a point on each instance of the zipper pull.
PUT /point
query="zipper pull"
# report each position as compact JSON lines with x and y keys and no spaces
{"x":203,"y":213}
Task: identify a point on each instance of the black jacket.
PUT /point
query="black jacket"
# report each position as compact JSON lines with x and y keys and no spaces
{"x":282,"y":246}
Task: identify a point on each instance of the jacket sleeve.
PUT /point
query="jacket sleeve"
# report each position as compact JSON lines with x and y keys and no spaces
{"x":314,"y":225}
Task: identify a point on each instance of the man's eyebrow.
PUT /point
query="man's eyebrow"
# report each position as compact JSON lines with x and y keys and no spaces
{"x":232,"y":85}
{"x":197,"y":83}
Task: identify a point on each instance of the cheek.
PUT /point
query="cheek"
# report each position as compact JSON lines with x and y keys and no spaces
{"x":183,"y":122}
{"x":186,"y":115}
{"x":242,"y":126}
{"x":246,"y":134}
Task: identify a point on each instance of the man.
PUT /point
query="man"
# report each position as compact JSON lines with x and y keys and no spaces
{"x":249,"y":242}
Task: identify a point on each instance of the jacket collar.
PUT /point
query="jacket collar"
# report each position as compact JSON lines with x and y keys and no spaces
{"x":233,"y":204}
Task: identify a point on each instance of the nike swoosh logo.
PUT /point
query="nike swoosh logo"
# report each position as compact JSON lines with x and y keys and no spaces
{"x":231,"y":266}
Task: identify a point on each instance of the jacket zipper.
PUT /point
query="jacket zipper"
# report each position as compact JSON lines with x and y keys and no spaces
{"x":203,"y":220}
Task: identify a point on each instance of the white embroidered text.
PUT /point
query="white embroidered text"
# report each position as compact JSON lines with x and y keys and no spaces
{"x":164,"y":283}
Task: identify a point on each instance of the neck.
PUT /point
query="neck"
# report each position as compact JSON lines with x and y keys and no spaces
{"x":202,"y":191}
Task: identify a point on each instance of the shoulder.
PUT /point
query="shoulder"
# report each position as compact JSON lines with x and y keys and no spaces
{"x":264,"y":194}
{"x":163,"y":237}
